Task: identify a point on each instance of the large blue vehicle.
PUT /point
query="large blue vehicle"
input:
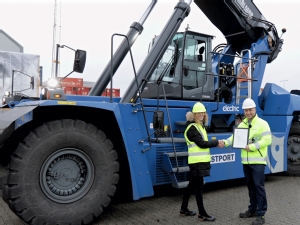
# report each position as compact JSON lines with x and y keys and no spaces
{"x":71,"y":154}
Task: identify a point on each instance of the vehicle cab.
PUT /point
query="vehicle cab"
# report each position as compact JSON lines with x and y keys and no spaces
{"x":182,"y":69}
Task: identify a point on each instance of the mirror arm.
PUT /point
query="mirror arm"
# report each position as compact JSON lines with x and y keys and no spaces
{"x":66,"y":76}
{"x":62,"y":46}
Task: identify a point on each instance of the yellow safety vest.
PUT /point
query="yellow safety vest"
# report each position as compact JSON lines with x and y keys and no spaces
{"x":260,"y":137}
{"x":197,"y":154}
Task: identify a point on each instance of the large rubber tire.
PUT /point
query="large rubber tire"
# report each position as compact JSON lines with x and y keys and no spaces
{"x":293,"y":166}
{"x":24,"y":187}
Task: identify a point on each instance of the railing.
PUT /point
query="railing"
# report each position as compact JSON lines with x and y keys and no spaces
{"x":251,"y":60}
{"x":138,"y":88}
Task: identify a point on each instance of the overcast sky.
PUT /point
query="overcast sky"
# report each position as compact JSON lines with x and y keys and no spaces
{"x":89,"y":24}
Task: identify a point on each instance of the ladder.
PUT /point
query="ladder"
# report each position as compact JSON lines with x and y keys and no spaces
{"x":245,"y":71}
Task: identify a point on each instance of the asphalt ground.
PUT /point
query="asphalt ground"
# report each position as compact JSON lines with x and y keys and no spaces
{"x":224,"y":200}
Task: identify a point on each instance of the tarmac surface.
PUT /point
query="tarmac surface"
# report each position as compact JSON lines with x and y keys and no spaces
{"x":224,"y":200}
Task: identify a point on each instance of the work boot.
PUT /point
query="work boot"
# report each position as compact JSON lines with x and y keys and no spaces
{"x":206,"y":218}
{"x":187,"y":213}
{"x":248,"y":214}
{"x":259,"y":220}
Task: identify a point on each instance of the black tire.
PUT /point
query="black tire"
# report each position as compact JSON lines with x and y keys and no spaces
{"x":293,"y":164}
{"x":4,"y":186}
{"x":25,"y":188}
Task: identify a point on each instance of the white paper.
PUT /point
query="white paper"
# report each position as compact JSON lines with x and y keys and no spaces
{"x":240,"y":139}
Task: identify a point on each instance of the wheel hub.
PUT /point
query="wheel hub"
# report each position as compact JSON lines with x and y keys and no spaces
{"x":66,"y":175}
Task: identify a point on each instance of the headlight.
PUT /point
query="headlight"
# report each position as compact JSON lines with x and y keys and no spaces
{"x":52,"y":83}
{"x":3,"y":100}
{"x":7,"y":93}
{"x":43,"y":91}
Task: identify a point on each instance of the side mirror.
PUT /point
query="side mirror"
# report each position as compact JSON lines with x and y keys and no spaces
{"x":186,"y":71}
{"x":79,"y":62}
{"x":32,"y":83}
{"x":158,"y":120}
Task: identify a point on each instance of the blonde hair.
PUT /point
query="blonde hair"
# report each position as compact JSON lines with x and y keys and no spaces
{"x":190,"y":117}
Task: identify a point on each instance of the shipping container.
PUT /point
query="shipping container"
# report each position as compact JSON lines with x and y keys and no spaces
{"x":72,"y":82}
{"x":115,"y":92}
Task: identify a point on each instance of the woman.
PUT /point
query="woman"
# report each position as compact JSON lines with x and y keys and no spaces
{"x":198,"y":159}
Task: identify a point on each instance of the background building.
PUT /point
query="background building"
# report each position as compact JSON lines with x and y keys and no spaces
{"x":8,"y":44}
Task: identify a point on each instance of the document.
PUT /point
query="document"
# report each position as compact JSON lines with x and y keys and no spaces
{"x":240,"y":137}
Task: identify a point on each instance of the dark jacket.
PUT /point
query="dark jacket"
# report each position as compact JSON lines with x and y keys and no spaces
{"x":201,"y":169}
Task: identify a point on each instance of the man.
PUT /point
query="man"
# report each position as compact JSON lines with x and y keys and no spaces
{"x":254,"y":159}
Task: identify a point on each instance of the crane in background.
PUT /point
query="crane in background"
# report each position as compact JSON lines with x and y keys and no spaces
{"x":56,"y":37}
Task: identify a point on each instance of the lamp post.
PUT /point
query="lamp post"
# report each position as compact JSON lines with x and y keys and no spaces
{"x":283,"y":83}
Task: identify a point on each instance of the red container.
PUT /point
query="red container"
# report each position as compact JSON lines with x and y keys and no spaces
{"x":68,"y":90}
{"x":115,"y":92}
{"x":86,"y":90}
{"x":79,"y":91}
{"x":72,"y":82}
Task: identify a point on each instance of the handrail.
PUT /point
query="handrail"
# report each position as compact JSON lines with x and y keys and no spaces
{"x":235,"y":77}
{"x":171,"y":130}
{"x":111,"y":75}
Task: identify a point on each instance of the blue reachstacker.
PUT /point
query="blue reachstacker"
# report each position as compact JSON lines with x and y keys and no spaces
{"x":71,"y":154}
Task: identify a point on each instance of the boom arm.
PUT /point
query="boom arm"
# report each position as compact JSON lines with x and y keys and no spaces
{"x":181,"y":11}
{"x":241,"y":23}
{"x":135,"y":29}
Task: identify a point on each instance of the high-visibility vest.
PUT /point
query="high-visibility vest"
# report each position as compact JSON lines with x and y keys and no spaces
{"x":197,"y":154}
{"x":260,"y":137}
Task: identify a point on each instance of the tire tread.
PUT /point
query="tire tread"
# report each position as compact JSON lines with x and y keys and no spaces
{"x":13,"y":192}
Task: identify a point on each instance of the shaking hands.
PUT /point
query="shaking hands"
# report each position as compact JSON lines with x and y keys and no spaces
{"x":221,"y":144}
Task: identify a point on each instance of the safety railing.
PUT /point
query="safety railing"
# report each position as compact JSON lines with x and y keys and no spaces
{"x":248,"y":67}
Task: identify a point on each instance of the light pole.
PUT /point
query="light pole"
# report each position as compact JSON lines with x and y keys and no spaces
{"x":283,"y":83}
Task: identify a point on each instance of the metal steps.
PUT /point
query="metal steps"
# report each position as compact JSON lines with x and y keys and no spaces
{"x":171,"y":171}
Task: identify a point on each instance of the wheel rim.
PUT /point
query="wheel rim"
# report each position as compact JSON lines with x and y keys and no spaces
{"x":67,"y":175}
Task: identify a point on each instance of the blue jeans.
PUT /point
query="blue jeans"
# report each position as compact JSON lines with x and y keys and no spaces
{"x":255,"y":179}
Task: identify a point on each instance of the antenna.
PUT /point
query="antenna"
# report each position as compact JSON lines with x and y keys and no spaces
{"x":56,"y":38}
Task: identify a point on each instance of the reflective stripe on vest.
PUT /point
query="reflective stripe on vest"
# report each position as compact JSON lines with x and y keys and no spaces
{"x":198,"y":153}
{"x":200,"y":131}
{"x":266,"y":133}
{"x":228,"y":141}
{"x":251,"y":159}
{"x":192,"y":145}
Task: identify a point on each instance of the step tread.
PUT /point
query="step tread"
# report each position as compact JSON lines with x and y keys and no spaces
{"x":183,"y":184}
{"x":168,"y":140}
{"x":181,"y":169}
{"x":242,"y":96}
{"x":180,"y":123}
{"x":178,"y":154}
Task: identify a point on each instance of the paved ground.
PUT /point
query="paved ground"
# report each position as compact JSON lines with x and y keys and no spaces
{"x":224,"y":200}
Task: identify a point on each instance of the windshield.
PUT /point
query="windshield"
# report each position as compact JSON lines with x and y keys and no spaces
{"x":168,"y":62}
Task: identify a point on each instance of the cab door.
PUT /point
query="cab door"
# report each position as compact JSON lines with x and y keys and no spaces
{"x":195,"y":64}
